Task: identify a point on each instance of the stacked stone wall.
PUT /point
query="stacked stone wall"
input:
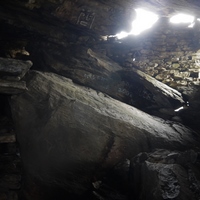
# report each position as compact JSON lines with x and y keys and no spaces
{"x":169,"y":53}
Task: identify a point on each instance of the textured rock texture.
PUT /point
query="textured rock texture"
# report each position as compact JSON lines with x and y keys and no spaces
{"x":166,"y":175}
{"x":66,"y":42}
{"x":69,"y":134}
{"x":13,"y":69}
{"x":129,"y":85}
{"x":157,"y":52}
{"x":80,"y":141}
{"x":11,"y":73}
{"x":191,"y":115}
{"x":160,"y":53}
{"x":10,"y":163}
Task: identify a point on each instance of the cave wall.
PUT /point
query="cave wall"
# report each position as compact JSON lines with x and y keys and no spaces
{"x":58,"y":38}
{"x":167,"y":52}
{"x":10,"y":162}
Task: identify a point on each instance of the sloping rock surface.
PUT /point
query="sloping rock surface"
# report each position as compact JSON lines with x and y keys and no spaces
{"x":129,"y":85}
{"x":70,"y":134}
{"x":11,"y":73}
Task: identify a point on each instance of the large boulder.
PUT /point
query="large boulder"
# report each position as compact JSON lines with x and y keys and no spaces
{"x":93,"y":69}
{"x":70,"y":134}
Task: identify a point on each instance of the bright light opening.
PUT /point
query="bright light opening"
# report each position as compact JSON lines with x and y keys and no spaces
{"x":144,"y":20}
{"x":122,"y":35}
{"x":191,"y":25}
{"x":182,"y":18}
{"x":187,"y":104}
{"x":178,"y":109}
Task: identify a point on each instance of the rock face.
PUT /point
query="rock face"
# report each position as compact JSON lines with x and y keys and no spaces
{"x":10,"y":163}
{"x":129,"y":85}
{"x":191,"y":115}
{"x":166,"y":175}
{"x":160,"y":53}
{"x":69,"y":134}
{"x":66,"y":41}
{"x":11,"y":73}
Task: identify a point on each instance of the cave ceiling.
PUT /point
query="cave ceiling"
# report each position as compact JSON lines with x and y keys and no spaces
{"x":70,"y":38}
{"x":103,"y":17}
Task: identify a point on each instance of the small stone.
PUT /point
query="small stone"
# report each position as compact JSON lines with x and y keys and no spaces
{"x":173,"y":84}
{"x":175,"y":65}
{"x":156,"y":65}
{"x":189,"y":78}
{"x":182,"y":82}
{"x":159,"y":77}
{"x":169,"y":63}
{"x":12,"y":87}
{"x":7,"y":138}
{"x":97,"y":184}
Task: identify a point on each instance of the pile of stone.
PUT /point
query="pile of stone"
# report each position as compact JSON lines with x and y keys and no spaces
{"x":168,"y":54}
{"x":11,"y":73}
{"x":10,"y":162}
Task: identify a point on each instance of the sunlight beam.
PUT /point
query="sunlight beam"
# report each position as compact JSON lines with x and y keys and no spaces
{"x":144,"y":20}
{"x":182,"y":18}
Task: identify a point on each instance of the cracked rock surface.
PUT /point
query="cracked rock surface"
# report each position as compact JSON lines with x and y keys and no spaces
{"x":69,"y":134}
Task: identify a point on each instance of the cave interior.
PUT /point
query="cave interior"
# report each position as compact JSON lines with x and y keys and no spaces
{"x":94,"y":105}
